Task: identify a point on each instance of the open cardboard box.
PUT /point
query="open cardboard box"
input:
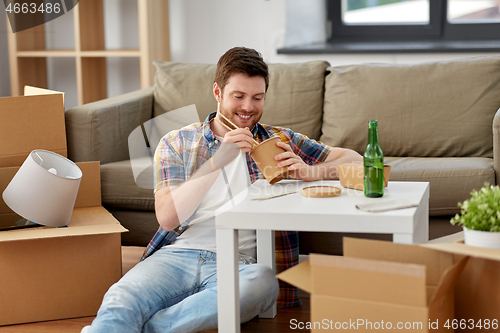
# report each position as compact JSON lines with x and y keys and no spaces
{"x":55,"y":273}
{"x":52,"y":273}
{"x":379,"y":285}
{"x":477,"y":294}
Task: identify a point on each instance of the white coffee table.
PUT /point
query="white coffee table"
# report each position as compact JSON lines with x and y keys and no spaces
{"x":295,"y":212}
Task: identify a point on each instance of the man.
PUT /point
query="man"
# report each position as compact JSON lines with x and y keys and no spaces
{"x":198,"y":169}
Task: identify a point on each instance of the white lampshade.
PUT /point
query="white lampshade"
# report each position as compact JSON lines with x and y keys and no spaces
{"x":44,"y":189}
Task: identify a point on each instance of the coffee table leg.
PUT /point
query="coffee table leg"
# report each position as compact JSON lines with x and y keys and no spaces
{"x":266,"y":255}
{"x":421,"y":231}
{"x":228,"y":292}
{"x":422,"y":228}
{"x":403,"y":238}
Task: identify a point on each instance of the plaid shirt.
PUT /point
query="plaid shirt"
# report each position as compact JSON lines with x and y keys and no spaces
{"x":180,"y":153}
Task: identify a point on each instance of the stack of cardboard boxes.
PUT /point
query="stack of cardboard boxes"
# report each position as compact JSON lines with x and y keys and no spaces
{"x":52,"y":273}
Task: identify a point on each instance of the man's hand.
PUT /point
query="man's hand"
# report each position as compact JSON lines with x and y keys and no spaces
{"x":297,"y":168}
{"x":242,"y":137}
{"x":326,"y":170}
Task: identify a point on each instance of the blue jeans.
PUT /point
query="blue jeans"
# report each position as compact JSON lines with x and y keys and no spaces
{"x":175,"y":290}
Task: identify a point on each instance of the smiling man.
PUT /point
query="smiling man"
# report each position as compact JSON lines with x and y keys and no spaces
{"x":198,"y":169}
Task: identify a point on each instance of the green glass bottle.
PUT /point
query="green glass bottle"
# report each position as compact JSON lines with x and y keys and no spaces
{"x":373,"y":161}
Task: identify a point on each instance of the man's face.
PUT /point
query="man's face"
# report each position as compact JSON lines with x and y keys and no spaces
{"x":242,"y":99}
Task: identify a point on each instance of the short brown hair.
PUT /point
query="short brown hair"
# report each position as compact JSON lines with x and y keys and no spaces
{"x":240,"y":60}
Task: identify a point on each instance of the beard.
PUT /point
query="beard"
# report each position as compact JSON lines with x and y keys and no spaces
{"x":235,"y":119}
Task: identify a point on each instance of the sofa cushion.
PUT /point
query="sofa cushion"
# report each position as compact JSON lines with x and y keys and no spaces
{"x":451,"y":179}
{"x":294,"y":98}
{"x":119,"y":189}
{"x":439,"y":109}
{"x":180,"y":84}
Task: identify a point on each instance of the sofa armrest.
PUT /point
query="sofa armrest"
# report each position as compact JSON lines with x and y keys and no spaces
{"x":99,"y":131}
{"x":496,"y":146}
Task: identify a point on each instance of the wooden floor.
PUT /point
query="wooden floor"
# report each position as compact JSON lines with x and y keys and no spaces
{"x":63,"y":326}
{"x":281,"y":323}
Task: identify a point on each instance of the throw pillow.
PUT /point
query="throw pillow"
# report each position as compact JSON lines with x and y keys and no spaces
{"x":438,"y":109}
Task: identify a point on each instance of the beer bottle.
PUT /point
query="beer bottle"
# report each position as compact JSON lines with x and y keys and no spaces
{"x":373,"y":161}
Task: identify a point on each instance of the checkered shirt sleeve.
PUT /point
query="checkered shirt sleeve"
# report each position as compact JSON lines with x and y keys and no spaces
{"x":169,"y":166}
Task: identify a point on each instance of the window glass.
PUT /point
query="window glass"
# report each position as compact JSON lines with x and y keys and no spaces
{"x":357,"y":12}
{"x":473,"y":11}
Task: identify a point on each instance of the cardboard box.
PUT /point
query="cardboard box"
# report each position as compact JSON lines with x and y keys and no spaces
{"x":477,"y":294}
{"x":56,"y":273}
{"x":379,"y":285}
{"x":29,"y":123}
{"x":52,"y":273}
{"x":351,"y":175}
{"x":33,"y":121}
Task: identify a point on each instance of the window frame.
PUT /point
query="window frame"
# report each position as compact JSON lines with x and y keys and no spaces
{"x":438,"y":28}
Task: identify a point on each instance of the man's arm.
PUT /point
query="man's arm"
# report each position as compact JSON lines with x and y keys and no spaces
{"x":326,"y":170}
{"x":174,"y":205}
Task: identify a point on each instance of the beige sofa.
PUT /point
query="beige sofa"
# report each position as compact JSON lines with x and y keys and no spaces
{"x":438,"y":122}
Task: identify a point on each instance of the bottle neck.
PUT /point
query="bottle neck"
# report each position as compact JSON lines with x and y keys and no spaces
{"x":372,"y":135}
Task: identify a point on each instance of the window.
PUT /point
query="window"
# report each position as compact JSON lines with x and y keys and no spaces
{"x":389,"y":18}
{"x":472,"y":19}
{"x":414,"y":19}
{"x":381,"y":26}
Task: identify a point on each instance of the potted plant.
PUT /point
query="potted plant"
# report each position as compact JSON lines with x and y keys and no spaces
{"x":480,"y":217}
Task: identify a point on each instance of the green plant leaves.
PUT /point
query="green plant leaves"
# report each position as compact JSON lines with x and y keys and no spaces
{"x":481,"y":211}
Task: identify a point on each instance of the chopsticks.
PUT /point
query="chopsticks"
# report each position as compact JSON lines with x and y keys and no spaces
{"x":229,"y":121}
{"x":232,"y":124}
{"x":220,"y":122}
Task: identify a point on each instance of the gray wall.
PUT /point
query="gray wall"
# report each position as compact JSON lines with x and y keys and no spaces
{"x":4,"y":54}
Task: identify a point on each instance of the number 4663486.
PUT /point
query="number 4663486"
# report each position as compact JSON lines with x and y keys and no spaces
{"x":471,"y":324}
{"x":32,"y":8}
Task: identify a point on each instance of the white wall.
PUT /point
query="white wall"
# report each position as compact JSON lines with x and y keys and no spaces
{"x":200,"y":31}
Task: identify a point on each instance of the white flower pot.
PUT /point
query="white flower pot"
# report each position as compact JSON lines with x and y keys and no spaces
{"x":486,"y":239}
